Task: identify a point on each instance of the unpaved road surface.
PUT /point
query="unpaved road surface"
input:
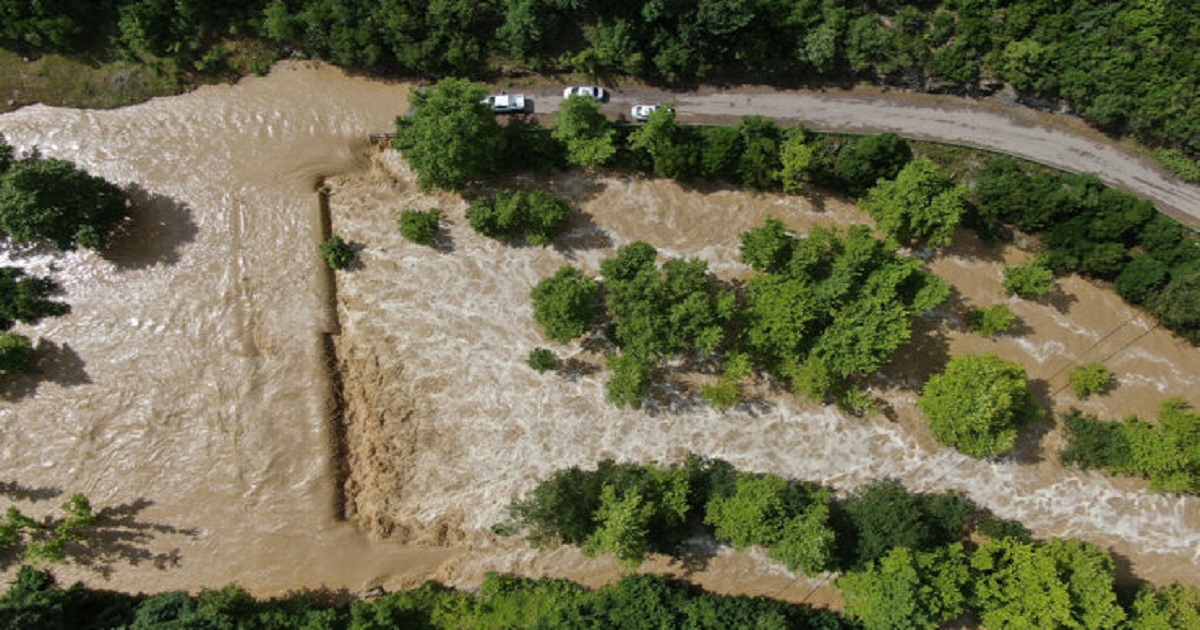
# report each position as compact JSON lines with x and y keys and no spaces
{"x":1054,"y":140}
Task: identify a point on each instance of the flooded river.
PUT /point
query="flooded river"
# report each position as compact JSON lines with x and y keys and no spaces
{"x":187,"y":392}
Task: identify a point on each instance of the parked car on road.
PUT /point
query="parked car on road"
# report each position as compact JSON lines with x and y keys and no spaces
{"x":591,"y":91}
{"x":505,"y":103}
{"x":641,"y":113}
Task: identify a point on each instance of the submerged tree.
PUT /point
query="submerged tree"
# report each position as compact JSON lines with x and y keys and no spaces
{"x":978,"y":404}
{"x":53,"y":200}
{"x":26,"y":299}
{"x":564,"y":304}
{"x":16,"y":352}
{"x":338,"y":254}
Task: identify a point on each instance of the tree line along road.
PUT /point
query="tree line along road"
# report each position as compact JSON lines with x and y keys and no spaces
{"x":1012,"y":129}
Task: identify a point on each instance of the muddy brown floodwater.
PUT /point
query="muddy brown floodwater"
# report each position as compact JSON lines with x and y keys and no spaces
{"x":439,"y":336}
{"x":188,"y":392}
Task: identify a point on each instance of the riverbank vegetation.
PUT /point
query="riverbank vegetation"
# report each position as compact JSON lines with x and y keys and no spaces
{"x":1167,"y":451}
{"x":1083,"y":226}
{"x":1099,"y":232}
{"x":1126,"y":69}
{"x":54,"y":201}
{"x":906,"y":559}
{"x":35,"y":600}
{"x":31,"y":540}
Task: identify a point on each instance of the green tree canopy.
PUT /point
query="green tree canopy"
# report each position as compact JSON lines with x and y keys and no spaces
{"x":564,"y":304}
{"x":908,"y":589}
{"x":1028,"y":279}
{"x":530,"y":214}
{"x":585,"y":131}
{"x":53,"y":200}
{"x":864,"y":161}
{"x":768,"y":247}
{"x":1058,"y":584}
{"x":26,"y":299}
{"x":16,"y":353}
{"x":420,"y":227}
{"x":922,"y":202}
{"x":791,"y":519}
{"x":629,"y":382}
{"x":883,"y":515}
{"x":758,"y":166}
{"x":672,"y":147}
{"x":450,"y":139}
{"x":978,"y":403}
{"x":1174,"y":606}
{"x":338,"y":254}
{"x":797,"y":158}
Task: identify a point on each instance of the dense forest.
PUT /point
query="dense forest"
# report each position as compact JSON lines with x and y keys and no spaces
{"x":1127,"y":67}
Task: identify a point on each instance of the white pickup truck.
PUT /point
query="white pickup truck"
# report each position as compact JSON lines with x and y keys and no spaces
{"x":505,"y":103}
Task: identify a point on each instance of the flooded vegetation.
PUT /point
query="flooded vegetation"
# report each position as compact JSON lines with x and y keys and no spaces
{"x":188,"y":392}
{"x":454,"y":325}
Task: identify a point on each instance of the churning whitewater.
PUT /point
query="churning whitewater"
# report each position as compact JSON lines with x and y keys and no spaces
{"x":188,"y":392}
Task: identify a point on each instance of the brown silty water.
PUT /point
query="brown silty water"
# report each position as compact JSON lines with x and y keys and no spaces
{"x":439,"y":336}
{"x":187,"y":393}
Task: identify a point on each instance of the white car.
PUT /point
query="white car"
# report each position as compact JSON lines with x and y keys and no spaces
{"x":505,"y":103}
{"x":591,"y":91}
{"x":641,"y":113}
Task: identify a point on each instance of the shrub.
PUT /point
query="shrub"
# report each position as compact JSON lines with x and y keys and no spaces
{"x":16,"y":352}
{"x":533,"y":215}
{"x":420,"y":227}
{"x":542,"y":359}
{"x":1028,"y":279}
{"x":337,"y":253}
{"x":26,"y":299}
{"x":1092,"y":378}
{"x":993,"y":320}
{"x":564,"y":304}
{"x":722,"y":395}
{"x":629,"y":382}
{"x":1180,"y":164}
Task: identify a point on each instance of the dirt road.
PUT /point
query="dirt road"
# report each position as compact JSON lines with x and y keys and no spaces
{"x":1059,"y":141}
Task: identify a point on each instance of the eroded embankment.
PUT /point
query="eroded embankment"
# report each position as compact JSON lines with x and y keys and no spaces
{"x":447,"y":424}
